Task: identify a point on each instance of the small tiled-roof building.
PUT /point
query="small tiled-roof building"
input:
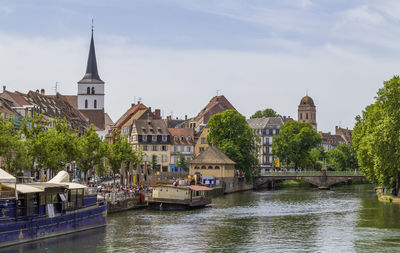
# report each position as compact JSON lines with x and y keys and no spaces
{"x":331,"y":141}
{"x":213,"y":162}
{"x":346,"y":134}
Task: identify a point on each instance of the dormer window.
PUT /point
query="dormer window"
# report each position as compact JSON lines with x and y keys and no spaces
{"x":175,"y":138}
{"x":182,"y":138}
{"x":189,"y":138}
{"x":93,"y":90}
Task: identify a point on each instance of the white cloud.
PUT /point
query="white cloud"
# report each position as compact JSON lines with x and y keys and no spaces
{"x":341,"y":82}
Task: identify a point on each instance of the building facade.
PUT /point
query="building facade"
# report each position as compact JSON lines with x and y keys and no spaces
{"x":182,"y":144}
{"x":266,"y":129}
{"x":151,"y":137}
{"x":201,"y":141}
{"x":307,"y":111}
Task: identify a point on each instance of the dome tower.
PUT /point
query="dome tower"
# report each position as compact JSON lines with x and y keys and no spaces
{"x":307,"y":111}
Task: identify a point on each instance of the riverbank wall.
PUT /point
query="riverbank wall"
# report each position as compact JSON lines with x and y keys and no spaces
{"x":236,"y":184}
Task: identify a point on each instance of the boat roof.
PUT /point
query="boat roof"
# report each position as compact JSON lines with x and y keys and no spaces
{"x":190,"y":187}
{"x":5,"y":177}
{"x":198,"y":188}
{"x":23,"y":188}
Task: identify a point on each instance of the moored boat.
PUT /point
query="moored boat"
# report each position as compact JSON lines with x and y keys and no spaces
{"x":40,"y":210}
{"x":168,"y":197}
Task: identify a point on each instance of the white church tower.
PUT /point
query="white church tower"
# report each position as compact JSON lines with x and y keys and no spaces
{"x":91,"y":87}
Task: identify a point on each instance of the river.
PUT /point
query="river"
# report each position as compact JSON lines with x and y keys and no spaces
{"x":344,"y":219}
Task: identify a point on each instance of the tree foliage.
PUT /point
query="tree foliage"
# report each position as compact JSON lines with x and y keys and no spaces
{"x":233,"y":136}
{"x":294,"y":143}
{"x":376,"y":137}
{"x":182,"y":163}
{"x":90,"y":151}
{"x":120,"y":152}
{"x":265,"y":113}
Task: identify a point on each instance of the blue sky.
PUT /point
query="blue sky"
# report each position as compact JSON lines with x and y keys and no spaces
{"x":175,"y":54}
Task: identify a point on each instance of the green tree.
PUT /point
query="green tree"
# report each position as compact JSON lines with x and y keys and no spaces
{"x":376,"y":137}
{"x":120,"y":152}
{"x":182,"y":163}
{"x":90,"y":151}
{"x":233,"y":136}
{"x":317,"y":157}
{"x":294,"y":143}
{"x":265,"y":113}
{"x":336,"y":159}
{"x":153,"y":162}
{"x":13,"y":148}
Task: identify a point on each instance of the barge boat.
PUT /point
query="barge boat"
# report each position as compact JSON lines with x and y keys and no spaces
{"x":168,"y":197}
{"x":34,"y":211}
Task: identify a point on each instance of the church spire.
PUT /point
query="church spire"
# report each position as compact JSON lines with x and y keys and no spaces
{"x":92,"y":75}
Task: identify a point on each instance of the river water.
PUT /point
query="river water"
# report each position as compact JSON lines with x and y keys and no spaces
{"x":344,"y":219}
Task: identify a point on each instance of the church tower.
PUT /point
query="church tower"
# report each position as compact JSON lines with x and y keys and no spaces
{"x":91,"y":87}
{"x":307,"y":111}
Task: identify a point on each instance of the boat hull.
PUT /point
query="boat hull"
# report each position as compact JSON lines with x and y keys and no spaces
{"x":19,"y":231}
{"x":171,"y":205}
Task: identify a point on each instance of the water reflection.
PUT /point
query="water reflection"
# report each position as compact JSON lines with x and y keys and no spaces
{"x":345,"y":219}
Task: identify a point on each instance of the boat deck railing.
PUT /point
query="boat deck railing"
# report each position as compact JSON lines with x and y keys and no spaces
{"x":7,"y":194}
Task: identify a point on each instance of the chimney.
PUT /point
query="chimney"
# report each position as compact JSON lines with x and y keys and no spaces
{"x":132,"y":105}
{"x":37,"y":91}
{"x":185,"y":117}
{"x":42,"y":91}
{"x":4,"y":88}
{"x":157,"y":113}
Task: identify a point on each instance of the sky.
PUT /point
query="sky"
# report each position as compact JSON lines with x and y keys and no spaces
{"x":176,"y":55}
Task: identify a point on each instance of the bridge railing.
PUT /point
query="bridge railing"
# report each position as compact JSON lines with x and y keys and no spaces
{"x":312,"y":173}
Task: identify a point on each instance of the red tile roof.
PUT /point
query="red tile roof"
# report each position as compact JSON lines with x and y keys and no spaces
{"x":178,"y":132}
{"x":128,"y":114}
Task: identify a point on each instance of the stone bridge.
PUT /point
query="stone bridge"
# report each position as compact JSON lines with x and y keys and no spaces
{"x":321,"y":179}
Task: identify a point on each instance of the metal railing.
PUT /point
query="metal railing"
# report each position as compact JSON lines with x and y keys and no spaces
{"x":312,"y":173}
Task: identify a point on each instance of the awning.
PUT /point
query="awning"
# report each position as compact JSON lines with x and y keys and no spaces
{"x":198,"y":188}
{"x":5,"y":177}
{"x":23,"y":188}
{"x":61,"y":177}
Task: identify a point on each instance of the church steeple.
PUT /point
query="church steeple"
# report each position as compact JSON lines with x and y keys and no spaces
{"x":92,"y":75}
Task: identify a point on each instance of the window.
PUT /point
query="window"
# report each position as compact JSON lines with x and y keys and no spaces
{"x":273,"y":131}
{"x":175,"y":138}
{"x":210,"y":167}
{"x":144,"y":147}
{"x":182,"y":148}
{"x":88,"y":90}
{"x":145,"y":158}
{"x":164,"y":138}
{"x":217,"y":167}
{"x":301,"y":116}
{"x":203,"y":167}
{"x":189,"y":149}
{"x":155,"y":148}
{"x":164,"y":148}
{"x":93,"y":90}
{"x":86,"y":103}
{"x":144,"y":137}
{"x":95,"y":103}
{"x":196,"y":167}
{"x":201,"y":149}
{"x":182,"y":138}
{"x":307,"y":115}
{"x":203,"y":140}
{"x":189,"y":138}
{"x":154,"y":138}
{"x":164,"y":158}
{"x":175,"y":149}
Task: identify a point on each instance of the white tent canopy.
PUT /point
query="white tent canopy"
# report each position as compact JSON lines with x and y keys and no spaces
{"x":62,"y":178}
{"x":5,"y":177}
